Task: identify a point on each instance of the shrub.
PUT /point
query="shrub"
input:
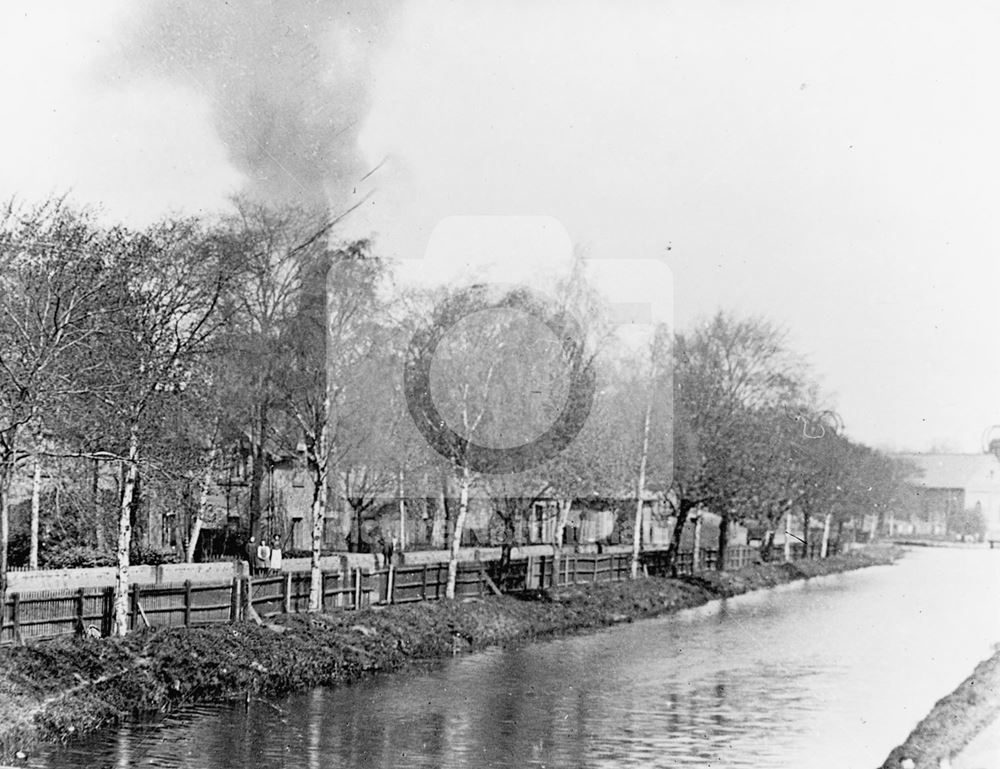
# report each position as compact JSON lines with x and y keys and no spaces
{"x":77,"y":557}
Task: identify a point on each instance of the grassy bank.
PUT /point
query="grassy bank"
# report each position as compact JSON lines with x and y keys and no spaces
{"x":953,"y":721}
{"x":57,"y":689}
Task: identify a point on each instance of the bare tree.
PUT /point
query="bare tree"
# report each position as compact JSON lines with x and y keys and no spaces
{"x":53,"y":270}
{"x":726,"y":370}
{"x":332,"y":333}
{"x":163,"y":311}
{"x":272,"y":250}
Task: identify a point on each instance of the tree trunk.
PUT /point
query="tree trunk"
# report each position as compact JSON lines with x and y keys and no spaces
{"x":199,"y":516}
{"x":696,"y":556}
{"x":788,"y":536}
{"x":6,"y":478}
{"x":767,"y":546}
{"x":402,"y":513}
{"x":258,"y":457}
{"x":321,"y":460}
{"x":637,"y":535}
{"x":456,"y":537}
{"x":720,"y":562}
{"x":440,"y":520}
{"x":95,"y":502}
{"x":558,"y":536}
{"x":36,"y":509}
{"x":120,"y":620}
{"x":683,"y":510}
{"x":315,"y":572}
{"x":5,"y":474}
{"x":825,"y":546}
{"x":806,"y":521}
{"x":641,"y":485}
{"x":139,"y":528}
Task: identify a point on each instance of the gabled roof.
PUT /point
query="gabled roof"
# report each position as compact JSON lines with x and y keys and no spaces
{"x":955,"y":471}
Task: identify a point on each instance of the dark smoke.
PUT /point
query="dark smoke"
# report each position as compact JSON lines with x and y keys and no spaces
{"x":288,"y":83}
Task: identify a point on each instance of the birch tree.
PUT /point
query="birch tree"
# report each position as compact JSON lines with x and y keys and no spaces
{"x":272,"y":249}
{"x":481,"y":362}
{"x":164,"y":312}
{"x":333,"y":331}
{"x":53,"y":269}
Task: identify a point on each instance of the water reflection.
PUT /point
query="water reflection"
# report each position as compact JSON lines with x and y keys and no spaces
{"x":830,"y":673}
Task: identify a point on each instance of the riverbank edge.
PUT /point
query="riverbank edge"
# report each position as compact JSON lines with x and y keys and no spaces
{"x":954,"y":720}
{"x":66,"y":688}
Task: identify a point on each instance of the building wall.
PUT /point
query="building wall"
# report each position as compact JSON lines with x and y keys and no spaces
{"x":983,"y":494}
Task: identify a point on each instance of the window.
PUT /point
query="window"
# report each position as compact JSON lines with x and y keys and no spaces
{"x":168,"y":534}
{"x":538,"y":523}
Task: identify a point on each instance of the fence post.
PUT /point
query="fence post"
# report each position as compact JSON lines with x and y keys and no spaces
{"x":107,"y":609}
{"x":576,"y":561}
{"x":16,"y":616}
{"x":595,"y":569}
{"x":423,"y":585}
{"x":696,"y":552}
{"x":234,"y":600}
{"x":530,"y":577}
{"x":79,"y":612}
{"x":187,"y":603}
{"x":391,"y":586}
{"x":357,"y":588}
{"x":134,"y":608}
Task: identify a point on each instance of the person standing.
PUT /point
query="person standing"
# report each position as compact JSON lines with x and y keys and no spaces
{"x":263,"y":557}
{"x":250,"y":555}
{"x":275,"y":564}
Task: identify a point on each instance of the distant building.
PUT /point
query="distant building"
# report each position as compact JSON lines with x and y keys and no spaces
{"x":950,"y":491}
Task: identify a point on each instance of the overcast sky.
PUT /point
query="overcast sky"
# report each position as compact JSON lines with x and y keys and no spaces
{"x":832,"y":166}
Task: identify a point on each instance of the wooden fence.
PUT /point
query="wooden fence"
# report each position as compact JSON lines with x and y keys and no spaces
{"x":737,"y":557}
{"x":49,"y":614}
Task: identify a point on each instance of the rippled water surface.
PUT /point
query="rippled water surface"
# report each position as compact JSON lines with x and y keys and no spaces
{"x":829,"y":673}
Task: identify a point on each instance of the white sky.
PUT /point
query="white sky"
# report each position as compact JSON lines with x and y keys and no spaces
{"x":834,"y":166}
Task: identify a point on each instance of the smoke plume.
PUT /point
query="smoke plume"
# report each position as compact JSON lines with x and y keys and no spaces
{"x":288,"y":83}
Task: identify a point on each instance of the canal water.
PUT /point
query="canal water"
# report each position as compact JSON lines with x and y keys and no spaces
{"x":833,"y":672}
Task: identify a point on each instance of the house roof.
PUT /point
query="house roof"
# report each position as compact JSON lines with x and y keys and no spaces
{"x":955,"y":471}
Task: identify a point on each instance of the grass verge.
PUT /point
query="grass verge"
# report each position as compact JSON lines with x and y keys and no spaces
{"x":58,"y":689}
{"x":953,"y":721}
